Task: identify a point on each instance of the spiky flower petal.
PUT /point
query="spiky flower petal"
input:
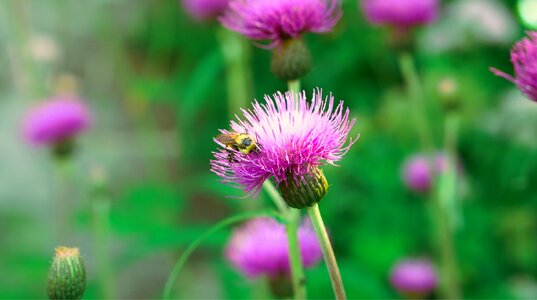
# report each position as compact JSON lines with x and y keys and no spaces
{"x":278,"y":20}
{"x":524,"y":59}
{"x":294,"y":138}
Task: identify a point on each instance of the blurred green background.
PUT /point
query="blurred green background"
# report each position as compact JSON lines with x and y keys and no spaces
{"x":155,"y":81}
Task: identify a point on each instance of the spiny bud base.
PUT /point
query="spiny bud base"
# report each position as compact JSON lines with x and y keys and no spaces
{"x":67,"y":276}
{"x":304,"y":192}
{"x":291,"y":60}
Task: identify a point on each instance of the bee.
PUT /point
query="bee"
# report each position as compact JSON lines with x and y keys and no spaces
{"x":242,"y":142}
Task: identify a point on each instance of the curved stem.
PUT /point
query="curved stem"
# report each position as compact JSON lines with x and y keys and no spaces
{"x":275,"y":196}
{"x":190,"y":249}
{"x":328,"y":252}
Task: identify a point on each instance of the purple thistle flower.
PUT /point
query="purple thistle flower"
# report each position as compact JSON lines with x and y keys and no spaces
{"x":292,"y":142}
{"x":279,"y":20}
{"x":56,"y":120}
{"x":417,"y":175}
{"x":259,"y":247}
{"x":205,"y":9}
{"x":524,"y":59}
{"x":416,"y":277}
{"x":400,"y":13}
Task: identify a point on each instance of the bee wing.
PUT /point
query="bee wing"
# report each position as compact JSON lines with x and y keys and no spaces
{"x":226,"y":139}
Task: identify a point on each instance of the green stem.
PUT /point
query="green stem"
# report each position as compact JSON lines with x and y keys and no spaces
{"x":294,"y":86}
{"x":292,"y":221}
{"x":275,"y":196}
{"x":328,"y":252}
{"x":441,"y":187}
{"x":101,"y":230}
{"x":298,"y":278}
{"x":64,"y":200}
{"x":446,"y":212}
{"x":415,"y":91}
{"x":236,"y":53}
{"x":190,"y":249}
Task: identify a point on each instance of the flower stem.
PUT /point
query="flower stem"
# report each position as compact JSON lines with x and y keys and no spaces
{"x":441,"y":187}
{"x":101,"y":235}
{"x":297,"y":271}
{"x":190,"y":249}
{"x":328,"y":252}
{"x":415,"y":91}
{"x":292,"y":219}
{"x":446,"y":211}
{"x":275,"y":196}
{"x":236,"y":53}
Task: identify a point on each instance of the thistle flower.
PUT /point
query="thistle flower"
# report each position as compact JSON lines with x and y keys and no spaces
{"x":57,"y":121}
{"x":400,"y":13}
{"x":279,"y":20}
{"x":282,"y":23}
{"x":259,"y":247}
{"x":205,"y":9}
{"x":67,"y":275}
{"x":414,"y":277}
{"x":524,"y":59}
{"x":294,"y":139}
{"x":417,"y":175}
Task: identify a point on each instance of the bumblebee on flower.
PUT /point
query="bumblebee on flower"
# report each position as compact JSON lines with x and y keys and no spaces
{"x":293,"y":141}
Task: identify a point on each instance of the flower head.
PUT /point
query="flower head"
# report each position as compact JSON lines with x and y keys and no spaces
{"x":259,"y":247}
{"x":279,"y":20}
{"x":417,"y":175}
{"x":414,"y":276}
{"x":293,"y":139}
{"x":400,"y":13}
{"x":205,"y":9}
{"x":56,"y":120}
{"x":524,"y":59}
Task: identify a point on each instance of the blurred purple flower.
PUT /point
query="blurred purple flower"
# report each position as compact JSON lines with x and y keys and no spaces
{"x":278,"y":20}
{"x":416,"y":173}
{"x":205,"y":9}
{"x":400,"y":13}
{"x":524,"y":59}
{"x":259,"y":247}
{"x":414,"y":276}
{"x":56,"y":120}
{"x":291,"y":141}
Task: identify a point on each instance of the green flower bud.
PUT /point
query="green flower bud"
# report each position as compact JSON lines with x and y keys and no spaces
{"x":291,"y":60}
{"x":307,"y":191}
{"x":67,"y":275}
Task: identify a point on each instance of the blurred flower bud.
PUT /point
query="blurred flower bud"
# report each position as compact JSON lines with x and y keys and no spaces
{"x":43,"y":48}
{"x":67,"y":275}
{"x":291,"y":60}
{"x":414,"y":278}
{"x":56,"y":122}
{"x":448,"y":92}
{"x":418,"y":176}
